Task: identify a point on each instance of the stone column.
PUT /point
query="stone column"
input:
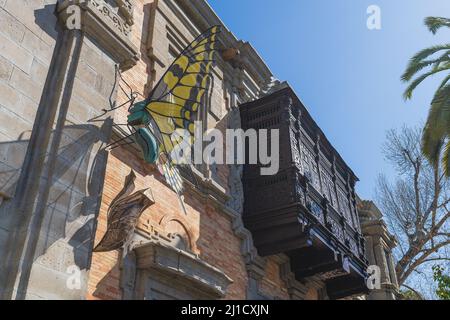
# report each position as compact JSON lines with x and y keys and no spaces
{"x":51,"y":217}
{"x":379,"y":246}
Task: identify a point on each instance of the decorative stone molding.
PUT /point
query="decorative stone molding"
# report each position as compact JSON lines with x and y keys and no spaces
{"x":109,"y":27}
{"x":185,"y":235}
{"x":110,"y":14}
{"x":188,"y":267}
{"x":126,"y":9}
{"x":296,"y":290}
{"x":379,"y":246}
{"x":256,"y":270}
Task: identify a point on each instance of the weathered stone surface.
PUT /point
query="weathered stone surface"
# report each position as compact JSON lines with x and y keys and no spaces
{"x":26,"y":11}
{"x":9,"y":97}
{"x":46,"y":283}
{"x":26,"y":85}
{"x":38,"y":48}
{"x":12,"y":125}
{"x":13,"y":52}
{"x":5,"y":69}
{"x":11,"y":27}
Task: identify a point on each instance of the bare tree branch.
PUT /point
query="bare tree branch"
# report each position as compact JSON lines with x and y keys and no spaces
{"x":415,"y":203}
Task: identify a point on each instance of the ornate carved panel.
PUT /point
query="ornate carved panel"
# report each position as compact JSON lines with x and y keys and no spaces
{"x":114,"y":15}
{"x":310,"y":166}
{"x":344,"y":206}
{"x":328,"y":187}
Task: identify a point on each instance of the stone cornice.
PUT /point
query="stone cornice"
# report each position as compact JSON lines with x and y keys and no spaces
{"x":379,"y":229}
{"x":106,"y":27}
{"x":204,"y":16}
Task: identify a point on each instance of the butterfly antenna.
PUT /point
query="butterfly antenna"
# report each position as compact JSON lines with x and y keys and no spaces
{"x":181,"y":200}
{"x":117,"y":144}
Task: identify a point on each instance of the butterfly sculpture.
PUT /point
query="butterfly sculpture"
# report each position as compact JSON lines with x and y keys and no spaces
{"x":174,"y":104}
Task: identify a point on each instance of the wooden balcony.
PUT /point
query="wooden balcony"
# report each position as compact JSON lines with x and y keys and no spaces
{"x":304,"y":211}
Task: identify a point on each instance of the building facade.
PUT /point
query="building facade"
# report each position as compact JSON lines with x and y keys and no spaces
{"x":61,"y":88}
{"x":380,"y":244}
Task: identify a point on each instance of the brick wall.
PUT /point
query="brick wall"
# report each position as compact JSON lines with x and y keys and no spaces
{"x":209,"y":230}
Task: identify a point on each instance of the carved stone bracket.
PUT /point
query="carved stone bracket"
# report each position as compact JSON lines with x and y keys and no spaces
{"x":123,"y":215}
{"x":106,"y":26}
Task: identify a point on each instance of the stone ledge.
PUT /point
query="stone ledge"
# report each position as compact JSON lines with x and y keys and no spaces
{"x":187,"y":266}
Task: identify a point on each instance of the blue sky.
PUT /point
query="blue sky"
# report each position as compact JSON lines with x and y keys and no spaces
{"x":347,"y":76}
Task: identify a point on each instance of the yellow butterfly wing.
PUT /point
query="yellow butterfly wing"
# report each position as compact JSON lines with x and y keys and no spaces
{"x":178,"y":97}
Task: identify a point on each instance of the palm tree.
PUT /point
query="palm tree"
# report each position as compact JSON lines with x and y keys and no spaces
{"x":428,"y":62}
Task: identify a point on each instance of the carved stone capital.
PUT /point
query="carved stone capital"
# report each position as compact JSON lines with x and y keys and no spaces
{"x":109,"y":27}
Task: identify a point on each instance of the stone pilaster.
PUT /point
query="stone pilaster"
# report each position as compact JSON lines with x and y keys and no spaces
{"x":379,"y":246}
{"x":50,"y":219}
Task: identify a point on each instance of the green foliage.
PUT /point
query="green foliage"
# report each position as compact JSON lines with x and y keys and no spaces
{"x":435,"y":23}
{"x":443,"y":283}
{"x":425,"y":64}
{"x":409,"y":295}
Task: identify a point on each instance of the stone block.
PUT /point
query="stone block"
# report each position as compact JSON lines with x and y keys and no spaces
{"x":26,"y":85}
{"x":98,"y":61}
{"x":11,"y":27}
{"x":28,"y":13}
{"x":6,"y":68}
{"x":16,"y":153}
{"x":9,"y":98}
{"x":86,"y":74}
{"x":37,"y":47}
{"x":12,"y":125}
{"x":74,"y":173}
{"x":13,"y":52}
{"x":8,"y":178}
{"x":38,"y":71}
{"x":88,"y":95}
{"x":26,"y":108}
{"x":103,"y":86}
{"x":80,"y":112}
{"x":46,"y":283}
{"x":65,"y":199}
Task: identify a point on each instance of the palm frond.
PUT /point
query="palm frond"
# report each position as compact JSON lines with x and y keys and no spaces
{"x":437,"y":126}
{"x":425,"y":53}
{"x":415,"y":66}
{"x":444,"y":82}
{"x":436,"y":23}
{"x":413,"y":85}
{"x":446,"y":158}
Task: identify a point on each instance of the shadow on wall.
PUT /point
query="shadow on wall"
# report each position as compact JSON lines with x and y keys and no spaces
{"x":74,"y":191}
{"x":13,"y":153}
{"x":45,"y":18}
